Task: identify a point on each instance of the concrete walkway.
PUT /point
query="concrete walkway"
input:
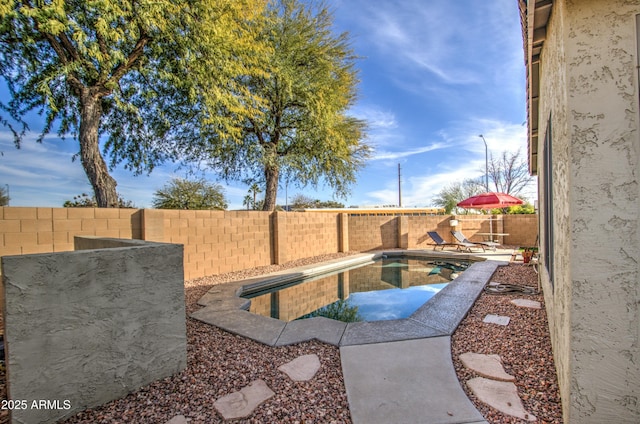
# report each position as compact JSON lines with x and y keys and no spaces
{"x":409,"y":381}
{"x":398,"y":371}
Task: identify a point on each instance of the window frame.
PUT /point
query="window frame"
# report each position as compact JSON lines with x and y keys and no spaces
{"x":547,"y":194}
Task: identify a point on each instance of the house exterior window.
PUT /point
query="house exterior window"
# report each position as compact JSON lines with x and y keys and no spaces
{"x":547,"y":195}
{"x":638,"y":48}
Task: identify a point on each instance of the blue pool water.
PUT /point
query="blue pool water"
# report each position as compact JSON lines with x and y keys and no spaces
{"x":386,"y":289}
{"x":396,"y":303}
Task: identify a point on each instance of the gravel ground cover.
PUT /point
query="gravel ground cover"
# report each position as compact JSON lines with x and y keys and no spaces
{"x":220,"y":363}
{"x":524,"y":346}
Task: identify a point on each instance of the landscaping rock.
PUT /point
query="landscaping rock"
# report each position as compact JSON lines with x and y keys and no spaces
{"x":496,"y":319}
{"x":178,"y":419}
{"x":489,"y":366}
{"x":303,"y":368}
{"x":500,"y":395}
{"x":242,"y":403}
{"x":527,"y":303}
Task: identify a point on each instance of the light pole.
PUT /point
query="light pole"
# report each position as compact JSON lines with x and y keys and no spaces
{"x":486,"y":179}
{"x":486,"y":163}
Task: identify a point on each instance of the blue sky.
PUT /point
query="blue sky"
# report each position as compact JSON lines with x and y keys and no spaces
{"x":434,"y":75}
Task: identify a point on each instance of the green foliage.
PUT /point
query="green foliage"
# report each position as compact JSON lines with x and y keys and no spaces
{"x":525,"y":208}
{"x":141,"y":73}
{"x":301,"y":128}
{"x":4,"y":196}
{"x":339,"y":310}
{"x":451,"y":195}
{"x":509,"y":174}
{"x":250,"y":200}
{"x":188,"y":194}
{"x":300,"y":201}
{"x":85,"y":201}
{"x":247,"y":201}
{"x":328,"y":204}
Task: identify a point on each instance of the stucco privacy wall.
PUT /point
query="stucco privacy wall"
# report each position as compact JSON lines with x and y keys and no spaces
{"x":223,"y":241}
{"x":90,"y":326}
{"x":589,"y":94}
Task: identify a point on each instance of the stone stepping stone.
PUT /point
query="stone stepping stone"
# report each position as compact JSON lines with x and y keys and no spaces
{"x":241,"y":404}
{"x":496,"y":319}
{"x":489,"y":366}
{"x":527,"y":303}
{"x":178,"y":419}
{"x":303,"y":368}
{"x":500,"y":395}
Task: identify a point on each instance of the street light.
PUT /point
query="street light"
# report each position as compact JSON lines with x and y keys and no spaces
{"x":486,"y":163}
{"x":486,"y":179}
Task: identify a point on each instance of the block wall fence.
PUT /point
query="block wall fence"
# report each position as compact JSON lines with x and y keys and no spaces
{"x":216,"y":242}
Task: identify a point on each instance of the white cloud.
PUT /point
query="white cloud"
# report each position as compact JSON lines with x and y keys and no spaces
{"x":376,"y":118}
{"x":435,"y":74}
{"x":500,"y":136}
{"x":433,"y":37}
{"x":386,"y":155}
{"x":420,"y":188}
{"x":40,"y":173}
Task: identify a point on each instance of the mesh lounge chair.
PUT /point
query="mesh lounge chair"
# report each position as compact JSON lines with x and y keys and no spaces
{"x":440,"y":242}
{"x":462,"y":239}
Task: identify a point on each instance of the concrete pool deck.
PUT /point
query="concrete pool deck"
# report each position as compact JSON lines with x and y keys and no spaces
{"x":398,"y":371}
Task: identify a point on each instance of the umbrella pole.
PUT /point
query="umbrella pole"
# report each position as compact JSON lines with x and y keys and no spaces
{"x":491,"y":226}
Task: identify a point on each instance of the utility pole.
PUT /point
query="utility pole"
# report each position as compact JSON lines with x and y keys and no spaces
{"x":399,"y":188}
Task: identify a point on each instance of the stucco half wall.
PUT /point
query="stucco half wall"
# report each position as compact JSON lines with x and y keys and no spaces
{"x":89,"y":326}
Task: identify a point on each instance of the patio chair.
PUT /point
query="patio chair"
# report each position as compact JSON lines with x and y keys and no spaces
{"x":461,"y":238}
{"x":438,"y":241}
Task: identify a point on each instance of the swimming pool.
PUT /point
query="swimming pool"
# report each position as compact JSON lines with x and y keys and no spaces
{"x":385,"y":289}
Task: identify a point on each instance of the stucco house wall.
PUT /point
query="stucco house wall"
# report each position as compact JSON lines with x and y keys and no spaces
{"x":554,"y":116}
{"x":588,"y":106}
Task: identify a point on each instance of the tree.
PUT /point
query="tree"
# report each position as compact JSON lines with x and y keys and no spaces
{"x":340,"y":310}
{"x":300,"y":201}
{"x":248,"y":203}
{"x":250,"y":200}
{"x":85,"y":201}
{"x":190,"y":194}
{"x":509,"y":173}
{"x":254,"y":190}
{"x":329,"y":204}
{"x":451,"y":195}
{"x":138,"y":72}
{"x":303,"y":130}
{"x":4,"y":196}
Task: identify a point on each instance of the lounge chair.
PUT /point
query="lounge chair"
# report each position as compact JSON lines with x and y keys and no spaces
{"x":462,"y":239}
{"x":440,"y":242}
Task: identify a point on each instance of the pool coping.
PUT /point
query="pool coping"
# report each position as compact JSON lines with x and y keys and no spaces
{"x":438,"y":317}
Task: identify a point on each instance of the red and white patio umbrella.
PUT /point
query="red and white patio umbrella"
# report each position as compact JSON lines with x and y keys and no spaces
{"x":490,"y":201}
